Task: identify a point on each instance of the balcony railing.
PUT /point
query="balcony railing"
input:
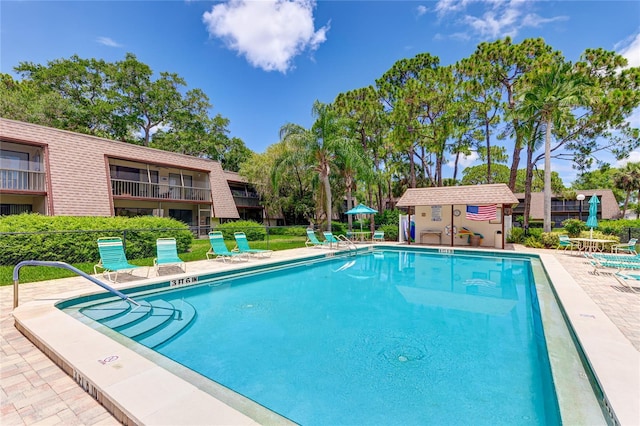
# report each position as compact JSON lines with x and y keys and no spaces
{"x":128,"y":188}
{"x":244,"y":201}
{"x":22,"y":180}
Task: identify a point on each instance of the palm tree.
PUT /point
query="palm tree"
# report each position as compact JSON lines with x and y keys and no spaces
{"x":553,"y":94}
{"x":628,"y":180}
{"x":319,"y":146}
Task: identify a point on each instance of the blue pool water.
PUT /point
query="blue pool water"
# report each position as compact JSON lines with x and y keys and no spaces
{"x":390,"y":337}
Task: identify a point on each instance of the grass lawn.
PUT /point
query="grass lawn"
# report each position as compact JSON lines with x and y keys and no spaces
{"x":198,"y":251}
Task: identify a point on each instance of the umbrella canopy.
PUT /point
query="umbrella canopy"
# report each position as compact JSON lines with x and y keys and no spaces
{"x":592,"y":221}
{"x":361,"y":209}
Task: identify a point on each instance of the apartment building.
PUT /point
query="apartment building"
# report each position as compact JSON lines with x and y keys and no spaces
{"x":57,"y":172}
{"x":562,"y":208}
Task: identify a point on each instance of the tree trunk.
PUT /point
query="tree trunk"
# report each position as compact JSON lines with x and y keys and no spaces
{"x":515,"y":162}
{"x":547,"y":178}
{"x":527,"y":189}
{"x":327,"y":193}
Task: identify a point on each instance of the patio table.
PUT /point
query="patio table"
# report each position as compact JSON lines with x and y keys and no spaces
{"x":591,"y":244}
{"x":361,"y":236}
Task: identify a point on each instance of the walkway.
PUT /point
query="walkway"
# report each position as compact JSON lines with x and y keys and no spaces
{"x":33,"y":390}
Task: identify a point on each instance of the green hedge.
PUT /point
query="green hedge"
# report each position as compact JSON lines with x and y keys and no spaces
{"x":253,"y":230}
{"x":294,"y":231}
{"x":72,"y":239}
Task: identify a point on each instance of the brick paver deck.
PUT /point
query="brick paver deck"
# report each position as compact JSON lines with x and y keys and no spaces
{"x":34,"y":390}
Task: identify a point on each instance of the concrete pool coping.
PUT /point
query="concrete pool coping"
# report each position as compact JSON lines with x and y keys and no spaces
{"x":613,"y":358}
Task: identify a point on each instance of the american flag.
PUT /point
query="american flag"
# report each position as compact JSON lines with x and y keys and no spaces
{"x":481,"y":212}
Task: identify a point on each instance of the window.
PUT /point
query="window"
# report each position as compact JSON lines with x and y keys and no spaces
{"x":7,"y":209}
{"x":14,"y":168}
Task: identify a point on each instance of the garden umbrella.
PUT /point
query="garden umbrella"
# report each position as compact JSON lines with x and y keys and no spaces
{"x":592,"y":221}
{"x":361,"y":209}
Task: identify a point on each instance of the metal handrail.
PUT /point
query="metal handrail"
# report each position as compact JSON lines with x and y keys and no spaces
{"x":63,"y":265}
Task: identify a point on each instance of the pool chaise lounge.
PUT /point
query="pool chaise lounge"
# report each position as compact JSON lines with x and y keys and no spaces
{"x":113,"y":259}
{"x":626,"y":278}
{"x":219,"y":249}
{"x":167,"y":255}
{"x":313,"y":241}
{"x":242,"y":246}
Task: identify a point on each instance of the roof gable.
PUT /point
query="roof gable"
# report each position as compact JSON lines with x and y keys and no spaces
{"x":498,"y":193}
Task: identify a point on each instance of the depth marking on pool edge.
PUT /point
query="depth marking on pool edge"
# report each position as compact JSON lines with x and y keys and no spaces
{"x":184,"y":281}
{"x":85,"y":384}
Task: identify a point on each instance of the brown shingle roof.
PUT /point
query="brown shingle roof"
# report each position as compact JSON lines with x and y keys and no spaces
{"x":497,"y":193}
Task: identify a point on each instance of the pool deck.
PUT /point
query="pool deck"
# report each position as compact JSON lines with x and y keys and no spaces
{"x":34,"y":390}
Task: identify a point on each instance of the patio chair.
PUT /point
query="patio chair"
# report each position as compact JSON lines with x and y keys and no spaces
{"x":628,"y":247}
{"x":220,"y":250}
{"x":113,"y":259}
{"x":566,"y":243}
{"x":167,"y":255}
{"x":377,"y":236}
{"x":242,"y":246}
{"x":312,"y":240}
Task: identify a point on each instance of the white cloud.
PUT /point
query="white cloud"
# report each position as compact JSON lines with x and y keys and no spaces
{"x":444,"y":7}
{"x":464,"y":160}
{"x":268,"y":33}
{"x":630,"y":49}
{"x":634,"y":157}
{"x":421,"y":10}
{"x":634,"y":118}
{"x":495,"y":19}
{"x":107,"y":41}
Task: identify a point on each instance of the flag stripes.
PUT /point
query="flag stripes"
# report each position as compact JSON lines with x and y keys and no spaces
{"x":481,"y":212}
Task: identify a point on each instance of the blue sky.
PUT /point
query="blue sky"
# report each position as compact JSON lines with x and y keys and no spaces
{"x":264,"y":62}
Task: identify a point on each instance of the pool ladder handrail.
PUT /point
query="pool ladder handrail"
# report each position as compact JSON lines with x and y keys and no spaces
{"x":351,"y":244}
{"x":63,"y":265}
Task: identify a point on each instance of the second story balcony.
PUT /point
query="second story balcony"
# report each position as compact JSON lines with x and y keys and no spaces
{"x":22,"y":180}
{"x":246,"y":198}
{"x":127,"y":188}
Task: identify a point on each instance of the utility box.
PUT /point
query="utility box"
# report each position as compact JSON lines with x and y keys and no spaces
{"x":497,"y":239}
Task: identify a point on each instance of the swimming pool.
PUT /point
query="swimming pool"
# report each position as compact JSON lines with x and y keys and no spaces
{"x":402,"y":344}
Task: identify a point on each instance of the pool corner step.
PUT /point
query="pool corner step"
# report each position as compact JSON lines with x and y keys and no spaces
{"x":185,"y":314}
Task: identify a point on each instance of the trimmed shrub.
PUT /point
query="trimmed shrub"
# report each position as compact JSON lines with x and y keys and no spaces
{"x":388,"y":217}
{"x":550,"y":239}
{"x":516,"y":236}
{"x":533,"y":242}
{"x":253,"y":230}
{"x":294,"y":231}
{"x":338,"y":228}
{"x":573,"y":227}
{"x":390,"y":232}
{"x":72,"y":239}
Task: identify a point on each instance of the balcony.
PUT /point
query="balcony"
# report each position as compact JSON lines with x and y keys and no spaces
{"x":132,"y":189}
{"x":22,"y":180}
{"x":245,"y":198}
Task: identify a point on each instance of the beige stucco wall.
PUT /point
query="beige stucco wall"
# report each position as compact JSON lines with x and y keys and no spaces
{"x":426,"y":218}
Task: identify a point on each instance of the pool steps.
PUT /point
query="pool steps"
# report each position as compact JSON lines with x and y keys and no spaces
{"x":151,"y":324}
